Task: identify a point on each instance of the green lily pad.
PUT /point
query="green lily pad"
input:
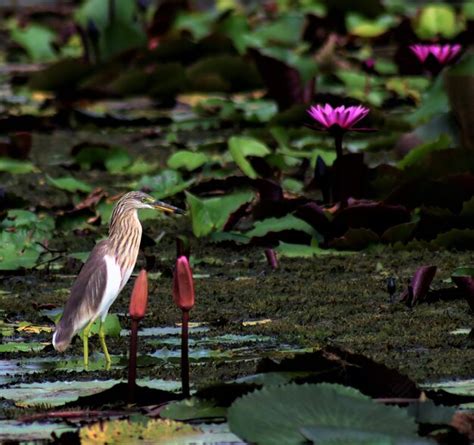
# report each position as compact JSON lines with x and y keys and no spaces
{"x":434,"y":101}
{"x":354,"y":436}
{"x":210,"y":214}
{"x":37,"y":40}
{"x":240,"y":147}
{"x":419,"y":153}
{"x":187,"y":160}
{"x":288,"y":222}
{"x":69,"y":184}
{"x":199,"y":25}
{"x":15,"y":431}
{"x":21,"y":231}
{"x":428,"y":412}
{"x":363,"y":27}
{"x":53,"y":393}
{"x":115,"y":159}
{"x":304,"y":251}
{"x":465,"y":271}
{"x":15,"y":166}
{"x":437,"y":20}
{"x":167,"y":183}
{"x":115,"y":36}
{"x":12,"y":259}
{"x":22,"y":347}
{"x":112,"y":326}
{"x":272,"y":378}
{"x":459,"y":387}
{"x":192,"y":408}
{"x":275,"y":415}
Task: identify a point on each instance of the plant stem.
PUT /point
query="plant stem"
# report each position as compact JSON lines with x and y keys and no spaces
{"x":340,"y":171}
{"x":272,"y":259}
{"x":338,"y":143}
{"x":185,"y":354}
{"x":132,"y":362}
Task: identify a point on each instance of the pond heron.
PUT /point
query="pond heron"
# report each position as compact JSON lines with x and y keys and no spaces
{"x":105,"y":273}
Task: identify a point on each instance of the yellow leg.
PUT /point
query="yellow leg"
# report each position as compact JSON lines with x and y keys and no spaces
{"x":104,"y":346}
{"x":85,"y":342}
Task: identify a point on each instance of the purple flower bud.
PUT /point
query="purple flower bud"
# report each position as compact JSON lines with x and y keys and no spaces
{"x":369,"y":64}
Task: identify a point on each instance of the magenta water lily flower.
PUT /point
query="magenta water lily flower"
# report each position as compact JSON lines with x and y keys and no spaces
{"x":337,"y":121}
{"x":338,"y":118}
{"x":442,"y":53}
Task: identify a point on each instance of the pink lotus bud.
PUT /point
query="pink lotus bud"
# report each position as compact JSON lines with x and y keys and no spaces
{"x":139,"y":298}
{"x":183,"y":286}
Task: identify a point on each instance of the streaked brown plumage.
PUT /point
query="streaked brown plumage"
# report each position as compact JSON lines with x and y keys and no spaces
{"x":106,"y":271}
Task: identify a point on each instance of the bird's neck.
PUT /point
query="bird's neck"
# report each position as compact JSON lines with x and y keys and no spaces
{"x":125,"y":231}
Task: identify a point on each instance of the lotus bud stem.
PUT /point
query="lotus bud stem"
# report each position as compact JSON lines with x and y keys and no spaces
{"x":137,"y":309}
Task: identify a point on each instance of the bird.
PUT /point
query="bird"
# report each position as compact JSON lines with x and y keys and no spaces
{"x":105,"y":273}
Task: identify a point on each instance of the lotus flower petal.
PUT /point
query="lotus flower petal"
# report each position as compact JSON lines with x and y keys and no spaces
{"x":342,"y":116}
{"x":442,"y":53}
{"x":421,"y":51}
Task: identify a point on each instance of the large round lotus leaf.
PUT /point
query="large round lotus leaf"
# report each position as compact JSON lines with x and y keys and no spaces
{"x":351,"y":436}
{"x":275,"y":415}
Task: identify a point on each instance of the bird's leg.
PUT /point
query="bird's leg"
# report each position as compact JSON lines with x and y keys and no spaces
{"x":85,"y":342}
{"x":102,"y":342}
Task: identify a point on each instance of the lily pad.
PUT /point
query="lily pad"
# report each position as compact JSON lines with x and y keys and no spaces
{"x":187,"y":160}
{"x":458,"y":387}
{"x":275,"y":415}
{"x":288,"y":222}
{"x":437,"y":20}
{"x":114,"y":159}
{"x":304,"y":251}
{"x":37,"y":40}
{"x":167,"y":183}
{"x":69,"y":184}
{"x":354,"y":436}
{"x":15,"y":431}
{"x":241,"y":147}
{"x":417,"y":154}
{"x":22,"y":347}
{"x":15,"y":166}
{"x":20,"y":235}
{"x":111,"y":325}
{"x":53,"y":393}
{"x":192,"y":408}
{"x":363,"y":27}
{"x":209,"y":215}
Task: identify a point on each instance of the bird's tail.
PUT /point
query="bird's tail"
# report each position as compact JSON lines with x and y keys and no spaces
{"x":62,"y":336}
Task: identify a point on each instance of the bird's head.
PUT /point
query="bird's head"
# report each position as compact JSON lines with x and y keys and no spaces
{"x":141,"y":200}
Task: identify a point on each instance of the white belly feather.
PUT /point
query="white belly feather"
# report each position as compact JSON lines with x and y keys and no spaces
{"x":113,"y":286}
{"x":126,"y":277}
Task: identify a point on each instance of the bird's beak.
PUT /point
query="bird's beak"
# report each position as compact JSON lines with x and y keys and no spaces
{"x":160,"y":205}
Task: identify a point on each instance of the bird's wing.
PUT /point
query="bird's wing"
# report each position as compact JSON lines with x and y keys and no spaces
{"x":88,"y":289}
